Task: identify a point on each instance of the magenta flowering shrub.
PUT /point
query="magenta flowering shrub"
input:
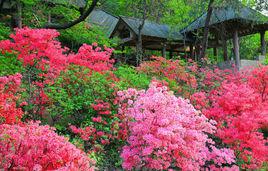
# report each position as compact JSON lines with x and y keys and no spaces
{"x":34,"y":147}
{"x":167,"y":132}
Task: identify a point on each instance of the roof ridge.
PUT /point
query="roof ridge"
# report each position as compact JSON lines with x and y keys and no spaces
{"x":150,"y":21}
{"x":100,"y":9}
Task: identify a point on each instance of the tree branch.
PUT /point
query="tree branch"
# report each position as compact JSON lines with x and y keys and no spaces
{"x":74,"y":22}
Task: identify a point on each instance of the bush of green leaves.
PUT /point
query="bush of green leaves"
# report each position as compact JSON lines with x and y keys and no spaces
{"x":130,"y":78}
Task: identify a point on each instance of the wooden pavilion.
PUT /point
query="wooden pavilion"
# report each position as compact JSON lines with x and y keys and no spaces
{"x":226,"y":23}
{"x":154,"y":36}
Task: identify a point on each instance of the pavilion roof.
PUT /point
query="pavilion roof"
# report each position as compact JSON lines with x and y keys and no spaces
{"x":104,"y":20}
{"x":229,"y":15}
{"x":152,"y":29}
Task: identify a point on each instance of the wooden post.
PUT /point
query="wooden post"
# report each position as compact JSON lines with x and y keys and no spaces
{"x":164,"y":50}
{"x":197,"y":53}
{"x":224,"y":48}
{"x":123,"y":51}
{"x":236,"y":49}
{"x":263,"y":43}
{"x":215,"y":52}
{"x":191,"y":52}
{"x":171,"y":54}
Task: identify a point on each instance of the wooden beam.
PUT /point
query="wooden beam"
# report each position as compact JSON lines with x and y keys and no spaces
{"x":263,"y":43}
{"x":236,"y":49}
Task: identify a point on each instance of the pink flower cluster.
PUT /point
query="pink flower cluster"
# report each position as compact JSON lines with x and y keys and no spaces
{"x":34,"y":147}
{"x":166,"y":132}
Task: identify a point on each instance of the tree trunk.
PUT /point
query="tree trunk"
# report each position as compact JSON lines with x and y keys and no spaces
{"x":139,"y":39}
{"x":206,"y":30}
{"x":19,"y":15}
{"x":139,"y":46}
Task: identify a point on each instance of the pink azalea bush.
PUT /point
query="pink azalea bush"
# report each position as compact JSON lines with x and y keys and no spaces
{"x":167,"y":132}
{"x":34,"y":147}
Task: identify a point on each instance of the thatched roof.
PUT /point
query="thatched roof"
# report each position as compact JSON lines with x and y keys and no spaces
{"x":241,"y":15}
{"x":104,"y":20}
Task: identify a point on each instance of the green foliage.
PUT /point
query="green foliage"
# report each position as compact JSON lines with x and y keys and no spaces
{"x":9,"y":65}
{"x":84,"y":33}
{"x":4,"y":32}
{"x":36,"y":12}
{"x":250,"y":46}
{"x":129,"y":77}
{"x":72,"y":95}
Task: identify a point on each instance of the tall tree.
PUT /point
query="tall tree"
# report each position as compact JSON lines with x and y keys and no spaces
{"x":144,"y":9}
{"x":206,"y":30}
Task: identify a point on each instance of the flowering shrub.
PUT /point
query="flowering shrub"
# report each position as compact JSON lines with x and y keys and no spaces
{"x":93,"y":58}
{"x":9,"y":113}
{"x":238,"y":105}
{"x":44,"y":59}
{"x":34,"y":147}
{"x":173,"y":70}
{"x":167,"y":132}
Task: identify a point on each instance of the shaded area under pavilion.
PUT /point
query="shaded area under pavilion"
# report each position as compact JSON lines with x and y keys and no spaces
{"x":227,"y":23}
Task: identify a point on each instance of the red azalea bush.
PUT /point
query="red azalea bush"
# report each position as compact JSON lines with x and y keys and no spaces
{"x":44,"y":59}
{"x":9,"y":112}
{"x":167,"y":132}
{"x":239,"y":107}
{"x":93,"y":58}
{"x":34,"y":147}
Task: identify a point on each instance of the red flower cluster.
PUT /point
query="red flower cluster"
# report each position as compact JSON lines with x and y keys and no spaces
{"x":239,"y":107}
{"x":9,"y":112}
{"x":93,"y":58}
{"x":44,"y":59}
{"x":34,"y":147}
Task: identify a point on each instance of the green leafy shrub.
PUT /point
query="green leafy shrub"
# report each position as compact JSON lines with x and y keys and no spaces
{"x":129,"y":77}
{"x":9,"y":65}
{"x":75,"y":97}
{"x":72,"y":95}
{"x":84,"y":33}
{"x":4,"y":32}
